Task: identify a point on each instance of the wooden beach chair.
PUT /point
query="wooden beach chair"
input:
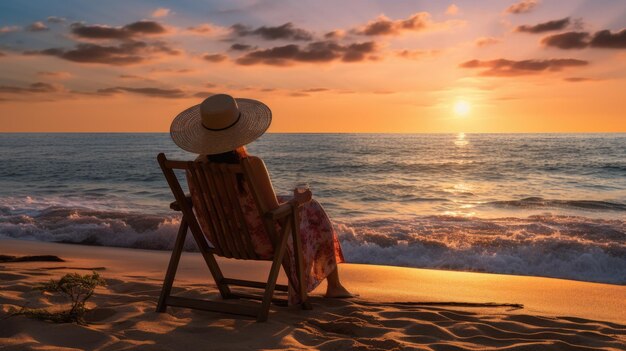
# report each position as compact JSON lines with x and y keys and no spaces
{"x":221,"y":209}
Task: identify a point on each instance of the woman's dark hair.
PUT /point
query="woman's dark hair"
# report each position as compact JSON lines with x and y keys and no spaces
{"x":231,"y":157}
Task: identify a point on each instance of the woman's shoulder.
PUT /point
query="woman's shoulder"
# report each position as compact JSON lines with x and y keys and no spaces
{"x":254,"y":159}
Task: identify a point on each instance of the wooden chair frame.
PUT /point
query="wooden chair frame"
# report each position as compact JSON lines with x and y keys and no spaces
{"x":230,"y":242}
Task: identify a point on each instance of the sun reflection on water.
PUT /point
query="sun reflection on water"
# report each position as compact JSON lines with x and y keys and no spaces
{"x":460,"y":140}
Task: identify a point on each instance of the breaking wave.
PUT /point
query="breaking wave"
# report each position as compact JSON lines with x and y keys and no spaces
{"x":559,"y":246}
{"x":538,"y":203}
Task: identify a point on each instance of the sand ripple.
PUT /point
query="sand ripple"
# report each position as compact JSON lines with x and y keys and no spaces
{"x":124,"y":319}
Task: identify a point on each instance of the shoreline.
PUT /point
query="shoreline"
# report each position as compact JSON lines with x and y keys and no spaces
{"x":540,"y":295}
{"x":398,"y":308}
{"x":350,"y":263}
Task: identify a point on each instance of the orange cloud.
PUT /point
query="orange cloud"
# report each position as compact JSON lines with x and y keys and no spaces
{"x":160,"y":12}
{"x":523,"y":6}
{"x":420,"y":21}
{"x":37,"y":27}
{"x":452,"y":10}
{"x":9,"y":29}
{"x":486,"y":41}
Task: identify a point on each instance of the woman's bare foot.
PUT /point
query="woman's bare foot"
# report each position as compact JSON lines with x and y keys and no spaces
{"x":338,"y":292}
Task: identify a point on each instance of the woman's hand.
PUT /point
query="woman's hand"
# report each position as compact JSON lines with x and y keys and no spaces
{"x":302,"y":197}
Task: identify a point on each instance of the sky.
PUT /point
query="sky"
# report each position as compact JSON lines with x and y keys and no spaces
{"x":321,"y":66}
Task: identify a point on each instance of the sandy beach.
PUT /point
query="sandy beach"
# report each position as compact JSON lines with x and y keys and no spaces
{"x":398,"y":308}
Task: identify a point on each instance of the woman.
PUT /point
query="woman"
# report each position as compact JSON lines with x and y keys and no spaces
{"x":218,"y":129}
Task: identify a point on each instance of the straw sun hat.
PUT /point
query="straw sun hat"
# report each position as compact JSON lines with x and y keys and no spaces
{"x":219,"y":124}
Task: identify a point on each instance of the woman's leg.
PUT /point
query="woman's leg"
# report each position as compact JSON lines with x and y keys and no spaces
{"x":334,"y":288}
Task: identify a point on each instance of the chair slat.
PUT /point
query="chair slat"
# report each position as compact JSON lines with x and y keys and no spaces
{"x":230,"y":179}
{"x":207,"y":201}
{"x":232,"y":235}
{"x":200,"y":207}
{"x":209,"y":198}
{"x":223,"y":236}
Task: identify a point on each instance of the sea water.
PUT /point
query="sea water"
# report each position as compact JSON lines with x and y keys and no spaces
{"x":532,"y":204}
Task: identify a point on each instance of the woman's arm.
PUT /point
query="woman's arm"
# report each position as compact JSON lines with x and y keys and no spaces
{"x":261,"y":181}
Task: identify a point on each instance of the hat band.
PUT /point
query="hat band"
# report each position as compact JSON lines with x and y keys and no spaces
{"x":218,"y":129}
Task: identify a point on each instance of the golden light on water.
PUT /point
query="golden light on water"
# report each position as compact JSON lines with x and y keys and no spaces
{"x":461,"y":108}
{"x":460,"y":140}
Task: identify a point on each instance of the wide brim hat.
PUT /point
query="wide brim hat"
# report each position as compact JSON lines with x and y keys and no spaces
{"x":219,"y":124}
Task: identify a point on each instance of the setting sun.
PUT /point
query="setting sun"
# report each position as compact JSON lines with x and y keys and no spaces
{"x":461,"y":108}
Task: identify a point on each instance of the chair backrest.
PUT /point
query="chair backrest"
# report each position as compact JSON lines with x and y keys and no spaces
{"x":217,"y":205}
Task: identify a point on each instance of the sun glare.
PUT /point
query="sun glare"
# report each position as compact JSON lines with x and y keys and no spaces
{"x":461,"y":108}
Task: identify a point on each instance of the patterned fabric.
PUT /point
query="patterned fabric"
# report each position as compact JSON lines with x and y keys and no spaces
{"x":321,"y":247}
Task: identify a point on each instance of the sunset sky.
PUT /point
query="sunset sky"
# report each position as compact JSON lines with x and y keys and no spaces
{"x":321,"y":66}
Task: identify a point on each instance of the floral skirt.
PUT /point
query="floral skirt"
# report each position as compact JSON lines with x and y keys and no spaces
{"x":320,"y":245}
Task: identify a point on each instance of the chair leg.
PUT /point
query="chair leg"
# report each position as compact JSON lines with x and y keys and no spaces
{"x":214,"y":268}
{"x":279,"y":252}
{"x":173,"y":266}
{"x":297,"y":248}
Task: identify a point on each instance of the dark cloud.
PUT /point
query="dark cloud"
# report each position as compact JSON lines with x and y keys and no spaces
{"x":130,"y":76}
{"x":286,"y":31}
{"x":241,"y":47}
{"x":38,"y":87}
{"x":385,"y":26}
{"x":172,"y":70}
{"x":523,"y":6}
{"x":203,"y":94}
{"x":214,"y":57}
{"x":54,"y":74}
{"x":506,"y":68}
{"x":127,"y":53}
{"x":37,"y":27}
{"x":545,"y":26}
{"x":298,"y":94}
{"x":603,"y":39}
{"x":55,"y":19}
{"x":607,"y":40}
{"x":146,"y":91}
{"x":315,"y":90}
{"x":578,"y":79}
{"x":568,"y":40}
{"x":315,"y":52}
{"x":126,"y":32}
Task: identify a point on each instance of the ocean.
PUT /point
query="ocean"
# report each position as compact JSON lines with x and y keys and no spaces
{"x":529,"y":204}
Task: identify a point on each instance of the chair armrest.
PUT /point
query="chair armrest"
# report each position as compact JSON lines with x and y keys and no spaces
{"x":281,"y":211}
{"x":176,"y":207}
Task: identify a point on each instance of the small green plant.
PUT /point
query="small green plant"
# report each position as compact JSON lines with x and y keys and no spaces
{"x":76,"y":288}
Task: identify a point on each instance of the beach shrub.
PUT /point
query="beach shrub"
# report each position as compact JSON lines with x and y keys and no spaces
{"x":76,"y":288}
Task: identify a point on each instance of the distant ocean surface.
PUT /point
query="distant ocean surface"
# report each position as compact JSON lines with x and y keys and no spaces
{"x":530,"y":204}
